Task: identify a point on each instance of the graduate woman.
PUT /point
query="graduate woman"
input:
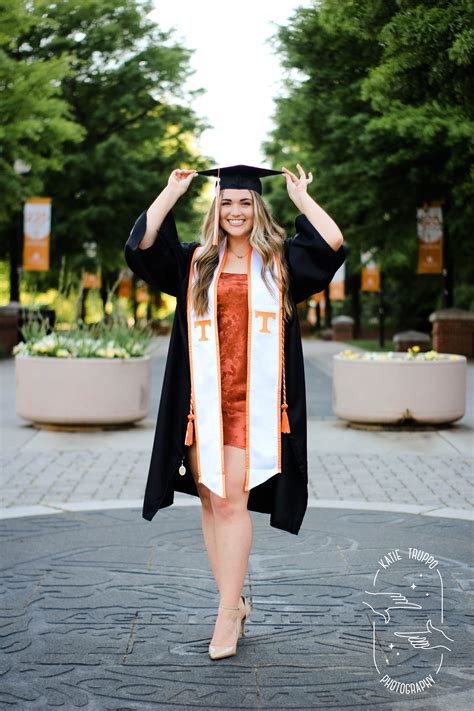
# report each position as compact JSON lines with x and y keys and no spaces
{"x":231,"y":426}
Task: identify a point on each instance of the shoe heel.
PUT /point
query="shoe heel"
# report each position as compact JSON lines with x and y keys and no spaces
{"x":242,"y":627}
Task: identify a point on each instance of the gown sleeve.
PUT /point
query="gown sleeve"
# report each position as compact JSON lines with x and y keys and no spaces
{"x":163,"y":264}
{"x":311,"y":260}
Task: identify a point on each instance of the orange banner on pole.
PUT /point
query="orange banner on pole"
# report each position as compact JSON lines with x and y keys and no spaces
{"x":429,"y":220}
{"x":36,"y":233}
{"x":370,"y":272}
{"x":336,"y":287}
{"x":91,"y":280}
{"x":141,"y":292}
{"x":125,"y":284}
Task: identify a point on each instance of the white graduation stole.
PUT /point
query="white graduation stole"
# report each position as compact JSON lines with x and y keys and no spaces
{"x":264,"y":373}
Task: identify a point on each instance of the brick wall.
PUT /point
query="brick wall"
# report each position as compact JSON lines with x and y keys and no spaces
{"x":454,"y":336}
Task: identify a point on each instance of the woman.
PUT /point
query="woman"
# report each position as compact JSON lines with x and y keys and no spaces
{"x":235,"y":366}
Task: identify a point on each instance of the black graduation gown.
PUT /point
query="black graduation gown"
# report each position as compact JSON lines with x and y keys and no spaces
{"x":165,"y":266}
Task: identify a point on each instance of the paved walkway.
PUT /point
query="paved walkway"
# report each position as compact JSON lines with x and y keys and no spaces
{"x":105,"y":611}
{"x":102,"y":610}
{"x":427,"y":471}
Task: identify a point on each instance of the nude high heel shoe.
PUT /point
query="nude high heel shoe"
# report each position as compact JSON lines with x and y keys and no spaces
{"x":221,"y":652}
{"x":248,"y":609}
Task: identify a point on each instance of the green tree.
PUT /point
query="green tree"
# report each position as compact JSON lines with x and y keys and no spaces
{"x":127,"y":92}
{"x":382,"y":134}
{"x":35,"y":119}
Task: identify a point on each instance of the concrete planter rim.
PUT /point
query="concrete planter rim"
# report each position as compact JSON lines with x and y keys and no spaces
{"x":82,"y":391}
{"x":133,"y":359}
{"x":391,"y":392}
{"x":397,"y":360}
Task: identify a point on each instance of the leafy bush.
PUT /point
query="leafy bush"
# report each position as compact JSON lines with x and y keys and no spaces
{"x":105,"y":339}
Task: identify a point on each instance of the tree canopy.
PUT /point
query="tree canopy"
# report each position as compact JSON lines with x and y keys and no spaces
{"x":377,"y":102}
{"x":108,"y":120}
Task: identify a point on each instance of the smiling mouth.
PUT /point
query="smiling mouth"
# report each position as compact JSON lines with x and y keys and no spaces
{"x":236,"y":223}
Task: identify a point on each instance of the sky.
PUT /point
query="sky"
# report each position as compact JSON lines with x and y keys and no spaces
{"x":238,"y":68}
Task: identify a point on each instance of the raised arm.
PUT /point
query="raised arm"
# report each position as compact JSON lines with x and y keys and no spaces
{"x":316,"y":252}
{"x":321,"y":221}
{"x":153,"y":250}
{"x":178,"y":183}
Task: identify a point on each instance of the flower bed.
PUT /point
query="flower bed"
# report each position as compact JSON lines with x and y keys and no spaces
{"x":96,"y":375}
{"x":394,"y":387}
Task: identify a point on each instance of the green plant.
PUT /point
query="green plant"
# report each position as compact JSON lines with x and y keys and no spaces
{"x":110,"y":338}
{"x":412,"y":353}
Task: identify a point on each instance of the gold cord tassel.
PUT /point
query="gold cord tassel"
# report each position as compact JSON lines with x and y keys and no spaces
{"x":190,"y":428}
{"x":215,"y":238}
{"x":285,"y":423}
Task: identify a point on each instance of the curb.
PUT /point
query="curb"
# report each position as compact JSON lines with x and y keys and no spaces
{"x":55,"y":507}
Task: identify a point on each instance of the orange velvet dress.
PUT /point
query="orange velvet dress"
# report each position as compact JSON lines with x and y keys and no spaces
{"x":232,"y":320}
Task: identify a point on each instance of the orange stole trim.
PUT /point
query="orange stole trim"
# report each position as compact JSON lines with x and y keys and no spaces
{"x":280,"y":342}
{"x":249,"y":352}
{"x":285,"y":423}
{"x":188,"y":303}
{"x":218,"y":358}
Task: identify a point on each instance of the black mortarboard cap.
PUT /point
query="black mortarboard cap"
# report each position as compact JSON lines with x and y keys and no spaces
{"x":240,"y":177}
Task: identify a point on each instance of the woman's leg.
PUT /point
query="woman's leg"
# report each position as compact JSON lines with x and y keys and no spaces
{"x":228,"y":561}
{"x":207,"y":516}
{"x":233,"y":541}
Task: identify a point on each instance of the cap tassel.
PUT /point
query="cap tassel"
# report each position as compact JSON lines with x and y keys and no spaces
{"x":189,"y":439}
{"x":215,"y":238}
{"x":285,"y":423}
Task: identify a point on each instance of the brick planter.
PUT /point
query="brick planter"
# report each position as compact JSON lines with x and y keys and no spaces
{"x":8,"y":329}
{"x":407,"y":339}
{"x":453,"y":331}
{"x":342,"y":328}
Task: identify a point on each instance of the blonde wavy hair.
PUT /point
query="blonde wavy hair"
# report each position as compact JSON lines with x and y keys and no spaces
{"x":267,"y":238}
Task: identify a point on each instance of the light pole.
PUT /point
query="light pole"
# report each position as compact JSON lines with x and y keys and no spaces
{"x":20,"y":168}
{"x":90,"y":248}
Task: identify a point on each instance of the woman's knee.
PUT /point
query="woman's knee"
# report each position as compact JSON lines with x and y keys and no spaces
{"x":205,"y":496}
{"x":228,"y":507}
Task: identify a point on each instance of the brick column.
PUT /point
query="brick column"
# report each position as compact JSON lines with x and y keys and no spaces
{"x":453,"y":331}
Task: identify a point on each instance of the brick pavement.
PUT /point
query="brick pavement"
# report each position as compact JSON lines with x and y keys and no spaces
{"x":430,"y":469}
{"x":104,"y":611}
{"x":32,"y":477}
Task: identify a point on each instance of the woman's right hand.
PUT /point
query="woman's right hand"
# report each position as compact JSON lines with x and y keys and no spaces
{"x":180,"y":180}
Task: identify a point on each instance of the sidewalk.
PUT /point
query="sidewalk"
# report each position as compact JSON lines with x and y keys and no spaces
{"x":429,"y":471}
{"x":104,"y":610}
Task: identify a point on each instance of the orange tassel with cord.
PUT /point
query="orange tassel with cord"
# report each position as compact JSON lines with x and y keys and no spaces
{"x":190,"y":430}
{"x":215,"y":238}
{"x":285,"y":423}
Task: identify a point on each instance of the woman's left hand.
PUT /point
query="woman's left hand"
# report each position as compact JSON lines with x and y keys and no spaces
{"x":297,"y":186}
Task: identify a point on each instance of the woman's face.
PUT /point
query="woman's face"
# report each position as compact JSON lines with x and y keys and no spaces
{"x":236,"y":215}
